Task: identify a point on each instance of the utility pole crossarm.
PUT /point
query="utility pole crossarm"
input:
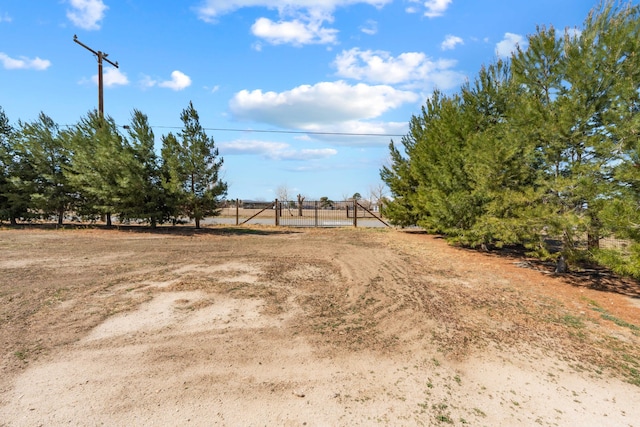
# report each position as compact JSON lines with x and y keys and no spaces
{"x":101,"y":56}
{"x":104,"y":56}
{"x":98,"y":54}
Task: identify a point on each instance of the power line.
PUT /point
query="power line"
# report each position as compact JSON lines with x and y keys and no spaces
{"x":286,"y":131}
{"x":272,"y":131}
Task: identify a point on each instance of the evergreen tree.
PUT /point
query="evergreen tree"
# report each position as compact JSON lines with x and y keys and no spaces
{"x":16,"y":175}
{"x":144,"y":197}
{"x":192,"y":165}
{"x":620,"y":122}
{"x":173,"y":174}
{"x":617,"y":32}
{"x":500,"y":164}
{"x":443,"y":201}
{"x":100,"y":166}
{"x":544,"y":148}
{"x":326,"y":203}
{"x":400,"y":177}
{"x":5,"y":161}
{"x":45,"y":148}
{"x":397,"y":176}
{"x":538,"y":73}
{"x":574,"y":85}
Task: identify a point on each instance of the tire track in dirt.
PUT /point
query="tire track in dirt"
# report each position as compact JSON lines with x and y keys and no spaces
{"x":336,"y":327}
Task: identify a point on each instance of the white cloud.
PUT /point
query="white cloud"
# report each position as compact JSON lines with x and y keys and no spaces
{"x":357,"y":132}
{"x":300,"y":21}
{"x":370,"y":27}
{"x":413,"y":69}
{"x":4,"y":17}
{"x":509,"y":44}
{"x":450,"y":42}
{"x":305,"y":107}
{"x":210,"y":10}
{"x":86,"y":14}
{"x":24,"y":63}
{"x":112,"y":77}
{"x":274,"y":150}
{"x":368,"y":128}
{"x":252,"y":147}
{"x":179,"y":81}
{"x":147,"y":82}
{"x":309,"y":154}
{"x":296,"y":32}
{"x":380,"y":66}
{"x":436,"y":8}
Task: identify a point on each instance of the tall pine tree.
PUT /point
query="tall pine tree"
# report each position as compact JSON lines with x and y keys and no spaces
{"x":16,"y":175}
{"x":144,"y":196}
{"x":192,"y":165}
{"x":541,"y":149}
{"x":46,"y":149}
{"x":100,"y":166}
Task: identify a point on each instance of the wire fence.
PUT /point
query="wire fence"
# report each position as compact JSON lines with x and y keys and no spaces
{"x":621,"y":245}
{"x":314,"y":213}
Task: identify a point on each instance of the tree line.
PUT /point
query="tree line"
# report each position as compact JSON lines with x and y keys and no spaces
{"x":94,"y":170}
{"x":540,"y":150}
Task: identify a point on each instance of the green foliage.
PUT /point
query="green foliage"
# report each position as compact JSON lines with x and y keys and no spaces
{"x":191,"y":167}
{"x":626,"y":263}
{"x":543,"y":147}
{"x":145,"y":197}
{"x":402,"y":185}
{"x":95,"y":171}
{"x":16,"y":175}
{"x":172,"y":175}
{"x":46,"y":150}
{"x":5,"y":162}
{"x":325,"y":202}
{"x":99,"y":167}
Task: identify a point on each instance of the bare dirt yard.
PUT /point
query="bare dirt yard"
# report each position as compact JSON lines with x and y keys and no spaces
{"x":256,"y":326}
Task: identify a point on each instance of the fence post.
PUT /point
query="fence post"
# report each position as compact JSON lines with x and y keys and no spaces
{"x":237,"y":212}
{"x":355,"y":212}
{"x":315,"y":211}
{"x":275,"y":205}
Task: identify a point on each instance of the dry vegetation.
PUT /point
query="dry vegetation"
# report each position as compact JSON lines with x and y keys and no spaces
{"x":285,"y":326}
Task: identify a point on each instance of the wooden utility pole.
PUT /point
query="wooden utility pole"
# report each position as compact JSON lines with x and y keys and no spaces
{"x":101,"y":55}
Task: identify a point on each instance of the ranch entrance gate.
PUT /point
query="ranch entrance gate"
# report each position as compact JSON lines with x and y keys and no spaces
{"x":315,"y":213}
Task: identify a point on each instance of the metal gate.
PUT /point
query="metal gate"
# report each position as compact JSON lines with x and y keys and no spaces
{"x":320,"y":213}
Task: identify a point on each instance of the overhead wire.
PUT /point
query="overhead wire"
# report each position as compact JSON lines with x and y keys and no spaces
{"x":286,"y":131}
{"x":303,"y":132}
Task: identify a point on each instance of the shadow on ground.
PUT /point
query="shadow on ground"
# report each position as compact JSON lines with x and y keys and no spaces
{"x":176,"y":230}
{"x":580,"y":275}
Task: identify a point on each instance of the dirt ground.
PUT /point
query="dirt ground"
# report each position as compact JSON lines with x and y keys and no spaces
{"x":258,"y":326}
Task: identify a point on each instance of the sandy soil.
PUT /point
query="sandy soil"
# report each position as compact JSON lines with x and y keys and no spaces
{"x":264,"y":326}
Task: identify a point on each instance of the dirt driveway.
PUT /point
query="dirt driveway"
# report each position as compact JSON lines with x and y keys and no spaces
{"x":341,"y":327}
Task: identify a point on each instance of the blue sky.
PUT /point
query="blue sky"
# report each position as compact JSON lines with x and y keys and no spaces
{"x":295,"y":92}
